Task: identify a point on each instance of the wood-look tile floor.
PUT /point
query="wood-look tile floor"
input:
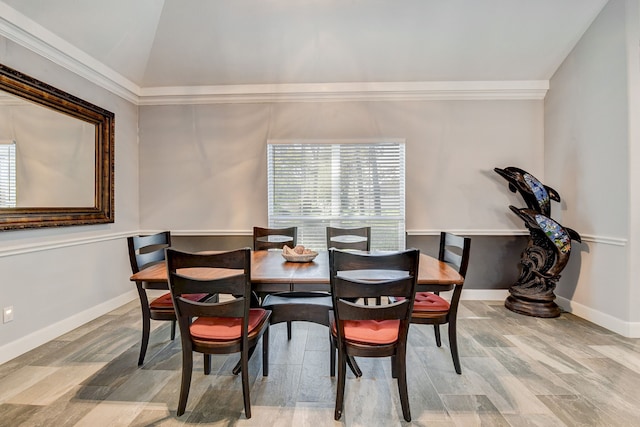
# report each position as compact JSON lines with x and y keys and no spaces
{"x":516,"y":371}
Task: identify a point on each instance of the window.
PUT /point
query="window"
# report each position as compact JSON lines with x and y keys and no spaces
{"x":314,"y":184}
{"x":7,"y":174}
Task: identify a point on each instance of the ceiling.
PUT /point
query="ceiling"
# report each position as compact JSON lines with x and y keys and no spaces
{"x":180,"y":43}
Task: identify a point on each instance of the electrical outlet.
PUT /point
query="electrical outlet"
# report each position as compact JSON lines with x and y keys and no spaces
{"x":7,"y":314}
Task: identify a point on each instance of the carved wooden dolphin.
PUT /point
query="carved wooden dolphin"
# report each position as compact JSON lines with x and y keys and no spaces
{"x":536,"y":195}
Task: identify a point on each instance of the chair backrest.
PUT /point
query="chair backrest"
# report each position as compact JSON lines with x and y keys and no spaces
{"x":274,"y":238}
{"x":349,"y":238}
{"x":147,"y":250}
{"x":354,"y":275}
{"x":458,"y":259}
{"x":213,"y":273}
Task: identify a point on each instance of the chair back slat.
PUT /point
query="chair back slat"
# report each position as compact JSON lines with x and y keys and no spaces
{"x":233,"y":308}
{"x":352,"y":311}
{"x":361,"y":237}
{"x":354,"y":288}
{"x":283,"y":236}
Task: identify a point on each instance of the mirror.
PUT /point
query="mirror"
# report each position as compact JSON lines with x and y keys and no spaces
{"x":56,"y":156}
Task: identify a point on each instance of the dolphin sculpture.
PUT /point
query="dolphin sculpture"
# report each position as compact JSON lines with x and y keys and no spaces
{"x":536,"y":195}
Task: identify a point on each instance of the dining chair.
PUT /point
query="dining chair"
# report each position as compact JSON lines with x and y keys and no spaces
{"x":227,"y":326}
{"x":431,"y":309}
{"x":358,"y":239}
{"x":274,"y":238}
{"x":349,"y":238}
{"x":145,"y":251}
{"x":372,"y":331}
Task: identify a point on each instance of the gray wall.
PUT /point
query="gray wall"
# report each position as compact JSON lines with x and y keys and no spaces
{"x":587,"y":156}
{"x":203,"y":167}
{"x":59,"y":278}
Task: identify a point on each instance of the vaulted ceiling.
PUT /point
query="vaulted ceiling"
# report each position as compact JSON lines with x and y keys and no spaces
{"x":180,"y":43}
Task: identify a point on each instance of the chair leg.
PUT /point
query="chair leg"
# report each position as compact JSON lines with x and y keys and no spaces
{"x":173,"y":330}
{"x":436,"y":329}
{"x":146,"y":328}
{"x":236,"y":369}
{"x":244,"y":358}
{"x":289,"y":331}
{"x":265,"y":352}
{"x":350,"y":360}
{"x":453,"y":346}
{"x":400,"y":366}
{"x":332,"y":356}
{"x":394,"y":366}
{"x":342,"y":368}
{"x":207,"y":364}
{"x":187,"y":369}
{"x":354,"y":366}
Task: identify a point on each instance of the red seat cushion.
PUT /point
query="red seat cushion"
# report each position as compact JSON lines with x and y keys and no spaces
{"x":371,"y":331}
{"x":225,"y":328}
{"x":427,"y":301}
{"x":165,"y":303}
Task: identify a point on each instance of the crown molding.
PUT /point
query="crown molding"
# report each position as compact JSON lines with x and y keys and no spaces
{"x":29,"y":34}
{"x":337,"y":92}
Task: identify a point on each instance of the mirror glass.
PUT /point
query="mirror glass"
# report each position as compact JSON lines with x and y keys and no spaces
{"x":53,"y":161}
{"x":56,"y":156}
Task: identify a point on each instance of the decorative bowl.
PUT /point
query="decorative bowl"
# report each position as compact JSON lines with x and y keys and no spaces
{"x":292,"y":256}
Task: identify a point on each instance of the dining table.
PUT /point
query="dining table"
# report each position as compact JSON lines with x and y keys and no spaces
{"x":270,"y":272}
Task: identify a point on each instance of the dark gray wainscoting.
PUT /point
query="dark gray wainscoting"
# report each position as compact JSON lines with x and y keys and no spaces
{"x":493,"y":264}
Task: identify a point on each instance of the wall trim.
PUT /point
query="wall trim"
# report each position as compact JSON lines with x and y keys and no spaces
{"x":469,"y":232}
{"x":62,"y":243}
{"x":29,"y":342}
{"x":619,"y":326}
{"x":607,"y":240}
{"x":340,"y":92}
{"x":59,"y":243}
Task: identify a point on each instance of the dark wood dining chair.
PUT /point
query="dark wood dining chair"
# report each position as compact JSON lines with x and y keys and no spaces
{"x":274,"y":238}
{"x":228,"y":326}
{"x":358,"y":239}
{"x":372,"y":331}
{"x":286,"y":306}
{"x":431,"y":309}
{"x":349,"y":238}
{"x":145,"y":251}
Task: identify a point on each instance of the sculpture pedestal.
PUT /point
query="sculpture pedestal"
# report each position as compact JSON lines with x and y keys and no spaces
{"x":531,"y":307}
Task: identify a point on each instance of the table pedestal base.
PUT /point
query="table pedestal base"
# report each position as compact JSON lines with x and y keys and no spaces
{"x":531,"y":307}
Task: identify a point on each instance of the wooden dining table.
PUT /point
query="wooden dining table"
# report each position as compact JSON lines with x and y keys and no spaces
{"x":270,"y":272}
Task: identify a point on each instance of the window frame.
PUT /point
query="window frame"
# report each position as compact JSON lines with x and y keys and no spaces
{"x":380,"y":239}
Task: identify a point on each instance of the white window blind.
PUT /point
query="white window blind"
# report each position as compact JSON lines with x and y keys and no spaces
{"x":8,"y":174}
{"x":313,"y":185}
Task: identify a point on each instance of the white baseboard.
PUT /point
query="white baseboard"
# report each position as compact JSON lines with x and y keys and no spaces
{"x":484,"y":294}
{"x":619,"y":326}
{"x":626,"y":329}
{"x":44,"y":335}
